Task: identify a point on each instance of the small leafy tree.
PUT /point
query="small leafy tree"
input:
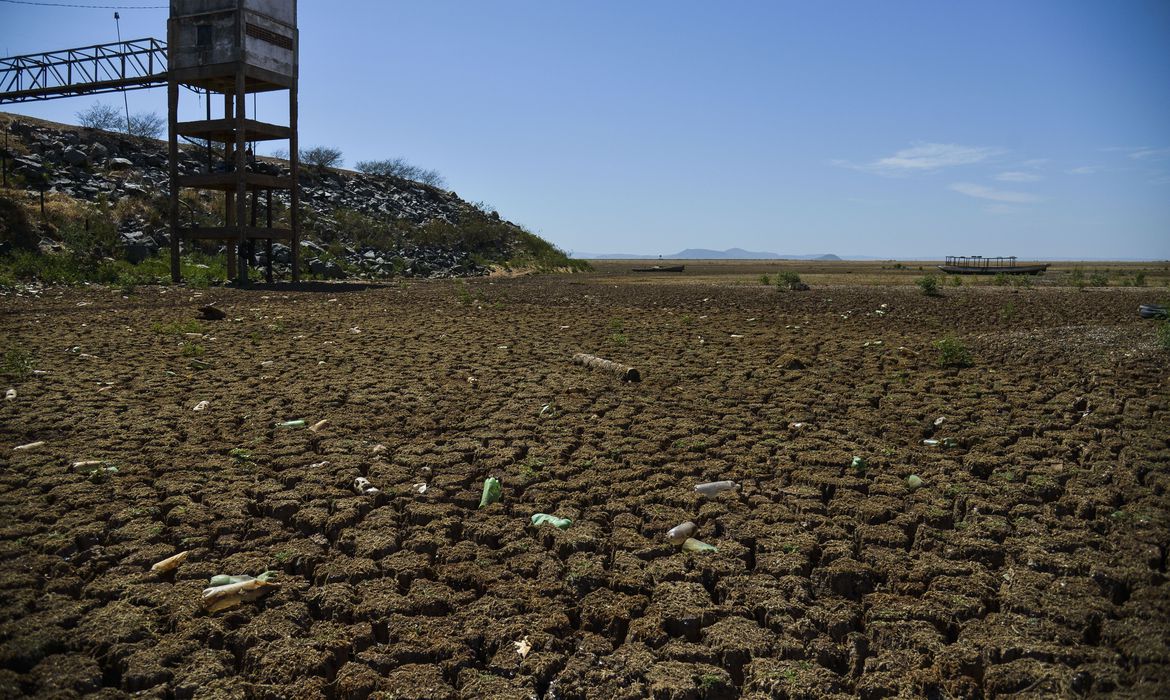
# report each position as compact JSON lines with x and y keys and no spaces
{"x":101,"y":116}
{"x":399,"y":167}
{"x":322,"y":157}
{"x":147,"y":124}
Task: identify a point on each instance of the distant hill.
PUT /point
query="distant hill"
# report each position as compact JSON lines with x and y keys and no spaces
{"x":708,"y":254}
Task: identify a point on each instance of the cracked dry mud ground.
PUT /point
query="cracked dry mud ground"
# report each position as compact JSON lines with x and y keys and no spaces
{"x":1031,"y":564}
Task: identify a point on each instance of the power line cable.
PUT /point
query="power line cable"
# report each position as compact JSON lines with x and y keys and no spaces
{"x":87,"y":7}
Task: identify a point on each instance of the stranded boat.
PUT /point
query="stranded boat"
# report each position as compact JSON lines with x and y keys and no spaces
{"x":660,"y":268}
{"x":979,"y":265}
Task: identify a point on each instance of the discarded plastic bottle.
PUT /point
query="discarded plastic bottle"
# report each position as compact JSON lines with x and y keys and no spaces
{"x":300,"y":423}
{"x":714,"y":488}
{"x":491,"y":491}
{"x":539,"y":519}
{"x":680,"y":533}
{"x":224,"y":579}
{"x":363,"y":486}
{"x":858,"y":463}
{"x":914,"y":482}
{"x":693,"y":545}
{"x":170,"y":563}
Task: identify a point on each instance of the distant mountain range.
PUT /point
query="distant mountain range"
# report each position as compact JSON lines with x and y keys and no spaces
{"x":706,"y":254}
{"x":741,"y":254}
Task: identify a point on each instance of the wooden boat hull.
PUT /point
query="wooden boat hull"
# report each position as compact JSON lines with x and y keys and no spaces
{"x":979,"y":270}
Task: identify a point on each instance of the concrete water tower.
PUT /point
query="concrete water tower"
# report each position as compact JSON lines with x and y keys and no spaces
{"x":233,"y":48}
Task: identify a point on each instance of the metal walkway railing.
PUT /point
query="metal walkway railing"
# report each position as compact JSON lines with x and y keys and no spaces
{"x":123,"y":65}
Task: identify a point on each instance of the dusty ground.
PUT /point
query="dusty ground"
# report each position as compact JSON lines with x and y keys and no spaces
{"x":1032,"y":563}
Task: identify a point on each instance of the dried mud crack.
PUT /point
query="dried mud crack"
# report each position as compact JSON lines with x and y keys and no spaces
{"x":1031,"y":562}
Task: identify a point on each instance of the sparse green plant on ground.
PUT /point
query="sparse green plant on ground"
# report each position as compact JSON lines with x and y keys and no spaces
{"x":176,"y":327}
{"x":1138,"y":280}
{"x":463,"y":293}
{"x":929,"y":285}
{"x":1099,"y":279}
{"x":953,"y":353}
{"x":766,"y":280}
{"x":1001,"y":279}
{"x":1164,"y":335}
{"x":189,"y":349}
{"x":1021,"y":281}
{"x":1076,"y":278}
{"x":710,"y":681}
{"x":956,"y":280}
{"x":1007,"y":312}
{"x":17,"y":363}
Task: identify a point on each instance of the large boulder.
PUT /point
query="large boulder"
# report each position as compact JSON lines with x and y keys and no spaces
{"x":75,"y":156}
{"x":326,"y":268}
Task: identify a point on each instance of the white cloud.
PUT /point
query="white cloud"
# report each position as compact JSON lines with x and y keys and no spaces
{"x":982,"y":192}
{"x":925,"y":157}
{"x":1083,"y":170}
{"x":1016,"y":176}
{"x":1150,"y":153}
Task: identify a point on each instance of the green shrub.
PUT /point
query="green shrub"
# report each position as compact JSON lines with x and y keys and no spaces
{"x":956,"y":280}
{"x":1164,"y":335}
{"x":1001,"y":279}
{"x":790,"y":281}
{"x":1076,"y":278}
{"x":766,"y":280}
{"x":952,"y":353}
{"x":929,"y":285}
{"x":17,"y":363}
{"x":1099,"y":279}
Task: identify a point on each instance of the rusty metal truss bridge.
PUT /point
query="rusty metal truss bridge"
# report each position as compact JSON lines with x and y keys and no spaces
{"x":122,"y":65}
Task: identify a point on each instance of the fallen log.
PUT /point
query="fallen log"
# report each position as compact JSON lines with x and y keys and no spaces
{"x":625,"y":372}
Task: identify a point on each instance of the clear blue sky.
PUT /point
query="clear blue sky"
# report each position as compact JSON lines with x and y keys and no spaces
{"x":892,"y":129}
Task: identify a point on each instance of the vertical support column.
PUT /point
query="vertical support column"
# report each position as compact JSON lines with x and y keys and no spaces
{"x":294,"y":158}
{"x":173,"y":167}
{"x":268,"y":241}
{"x":229,"y":196}
{"x":241,"y":174}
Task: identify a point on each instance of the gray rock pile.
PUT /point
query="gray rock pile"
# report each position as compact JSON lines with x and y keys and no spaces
{"x":93,"y":165}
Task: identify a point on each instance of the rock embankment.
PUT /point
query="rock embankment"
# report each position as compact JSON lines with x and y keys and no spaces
{"x":94,"y":165}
